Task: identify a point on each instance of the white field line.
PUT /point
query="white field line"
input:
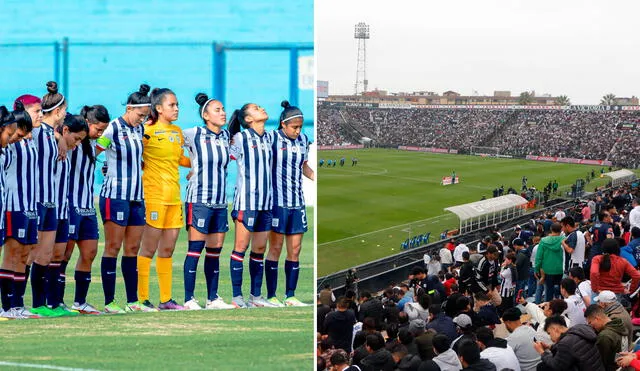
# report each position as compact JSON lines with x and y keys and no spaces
{"x":39,"y":366}
{"x":384,"y":229}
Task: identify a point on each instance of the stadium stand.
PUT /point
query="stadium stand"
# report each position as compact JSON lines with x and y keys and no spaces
{"x":589,"y":134}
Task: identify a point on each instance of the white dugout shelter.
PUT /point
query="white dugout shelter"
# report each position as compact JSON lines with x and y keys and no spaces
{"x":482,"y":214}
{"x":619,"y":177}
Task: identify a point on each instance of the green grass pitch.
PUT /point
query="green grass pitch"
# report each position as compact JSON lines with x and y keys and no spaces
{"x":366,"y":211}
{"x":267,"y":338}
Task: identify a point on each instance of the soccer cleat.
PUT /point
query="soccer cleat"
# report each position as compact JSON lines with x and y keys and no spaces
{"x":275,"y":302}
{"x":138,"y":307}
{"x":192,"y":304}
{"x":113,"y":308}
{"x":259,"y":302}
{"x":64,"y":312}
{"x":238,"y":302}
{"x":170,"y":305}
{"x":218,"y":303}
{"x":12,"y":313}
{"x":45,"y":311}
{"x":68,"y":309}
{"x":150,"y":305}
{"x":26,"y":313}
{"x":293,"y":302}
{"x":85,"y":308}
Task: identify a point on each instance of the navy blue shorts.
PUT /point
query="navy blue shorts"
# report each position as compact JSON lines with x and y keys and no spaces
{"x":123,"y":213}
{"x":206,"y":219}
{"x":22,"y":226}
{"x":62,"y":234}
{"x":47,"y":217}
{"x":253,"y":220}
{"x":289,"y":220}
{"x":83,"y":224}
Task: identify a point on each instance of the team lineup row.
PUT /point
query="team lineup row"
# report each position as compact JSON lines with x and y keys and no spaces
{"x":48,"y":161}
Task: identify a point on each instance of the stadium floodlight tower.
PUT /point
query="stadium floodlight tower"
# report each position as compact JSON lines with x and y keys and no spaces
{"x":361,"y":34}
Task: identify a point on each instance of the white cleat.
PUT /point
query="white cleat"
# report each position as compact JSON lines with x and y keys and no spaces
{"x":85,"y":308}
{"x":293,"y":302}
{"x":218,"y":303}
{"x":238,"y":302}
{"x":259,"y":301}
{"x":192,"y":304}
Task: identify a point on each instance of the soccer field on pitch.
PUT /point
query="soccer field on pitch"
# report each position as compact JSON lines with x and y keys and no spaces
{"x":366,"y":211}
{"x":268,"y":338}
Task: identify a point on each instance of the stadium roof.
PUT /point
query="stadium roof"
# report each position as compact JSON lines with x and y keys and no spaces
{"x":486,"y":207}
{"x":620,"y":176}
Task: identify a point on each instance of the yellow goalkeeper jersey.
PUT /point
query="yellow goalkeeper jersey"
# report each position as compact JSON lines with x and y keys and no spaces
{"x":162,"y":155}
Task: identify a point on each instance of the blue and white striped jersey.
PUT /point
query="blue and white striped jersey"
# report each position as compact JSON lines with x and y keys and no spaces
{"x":288,"y":157}
{"x":123,"y":146}
{"x":45,"y":141}
{"x":209,"y":154}
{"x":21,"y":166}
{"x":62,"y":186}
{"x":252,"y":152}
{"x":81,"y":178}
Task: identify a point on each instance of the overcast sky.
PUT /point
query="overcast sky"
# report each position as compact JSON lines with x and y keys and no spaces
{"x":580,"y":48}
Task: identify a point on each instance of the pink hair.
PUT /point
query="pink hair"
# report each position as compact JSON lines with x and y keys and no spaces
{"x":27,"y":100}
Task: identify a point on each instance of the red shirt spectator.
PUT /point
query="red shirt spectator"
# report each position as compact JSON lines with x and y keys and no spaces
{"x":451,"y":245}
{"x":612,"y":280}
{"x":447,"y":285}
{"x":586,"y":212}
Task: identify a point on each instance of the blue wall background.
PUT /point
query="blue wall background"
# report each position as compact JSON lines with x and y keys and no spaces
{"x":107,"y":74}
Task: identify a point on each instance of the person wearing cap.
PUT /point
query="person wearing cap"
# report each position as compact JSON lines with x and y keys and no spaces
{"x":549,"y":258}
{"x":520,"y":339}
{"x":573,"y":349}
{"x":612,"y":335}
{"x":608,"y":269}
{"x":608,"y":301}
{"x":464,"y":327}
{"x":496,"y":350}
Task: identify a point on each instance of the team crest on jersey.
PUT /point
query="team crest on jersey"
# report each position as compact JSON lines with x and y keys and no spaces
{"x":250,"y":222}
{"x":200,"y":223}
{"x":154,"y":215}
{"x":72,"y":228}
{"x":275,"y":222}
{"x":171,"y":139}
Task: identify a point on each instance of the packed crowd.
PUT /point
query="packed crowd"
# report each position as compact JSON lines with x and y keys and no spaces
{"x":333,"y":132}
{"x":558,"y":293}
{"x":573,"y":134}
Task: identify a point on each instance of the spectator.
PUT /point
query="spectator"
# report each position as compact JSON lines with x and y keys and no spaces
{"x":457,"y":253}
{"x":404,"y":361}
{"x":634,"y":243}
{"x":555,"y":307}
{"x":469,"y":354}
{"x":446,"y":257}
{"x":520,"y":339}
{"x":612,"y":335}
{"x":634,"y":215}
{"x":340,"y":362}
{"x":583,"y":288}
{"x":445,"y":360}
{"x":379,"y":358}
{"x":523,"y":264}
{"x":440,"y":322}
{"x":419,"y":309}
{"x":496,"y":350}
{"x":467,"y":275}
{"x":404,"y":296}
{"x":465,"y":328}
{"x":338,"y":326}
{"x":549,"y":259}
{"x":607,"y":270}
{"x":371,"y":307}
{"x":575,"y":304}
{"x":392,"y":336}
{"x":326,"y":296}
{"x":509,"y":275}
{"x":612,"y":308}
{"x":488,"y":269}
{"x":573,"y":349}
{"x":574,"y":244}
{"x":407,"y":339}
{"x":450,"y":280}
{"x":487,"y":314}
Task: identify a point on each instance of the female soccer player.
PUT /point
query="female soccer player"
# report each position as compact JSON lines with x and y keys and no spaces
{"x":163,"y":153}
{"x":121,"y":200}
{"x":206,"y":203}
{"x":290,"y":154}
{"x":83,"y":223}
{"x":73,"y":131}
{"x":252,"y":203}
{"x":21,"y":221}
{"x":54,"y":109}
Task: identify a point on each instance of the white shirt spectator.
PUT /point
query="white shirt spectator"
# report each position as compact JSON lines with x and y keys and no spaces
{"x":521,"y":340}
{"x":584,"y":290}
{"x":457,"y":252}
{"x":577,"y":256}
{"x":560,"y":215}
{"x":445,"y":256}
{"x":634,"y":217}
{"x":501,"y":357}
{"x":575,"y":310}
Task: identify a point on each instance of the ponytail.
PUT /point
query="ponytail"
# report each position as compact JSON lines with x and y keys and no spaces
{"x":6,"y":117}
{"x":605,"y":263}
{"x":93,"y":115}
{"x":237,"y":123}
{"x":22,"y":117}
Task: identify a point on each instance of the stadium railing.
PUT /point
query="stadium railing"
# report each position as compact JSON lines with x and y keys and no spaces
{"x":375,"y":275}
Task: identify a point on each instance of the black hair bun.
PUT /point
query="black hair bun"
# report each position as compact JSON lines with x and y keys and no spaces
{"x":52,"y":87}
{"x":84,"y":111}
{"x":144,"y":89}
{"x":18,"y":106}
{"x":4,"y":114}
{"x":201,"y":99}
{"x":155,"y":91}
{"x":285,"y":104}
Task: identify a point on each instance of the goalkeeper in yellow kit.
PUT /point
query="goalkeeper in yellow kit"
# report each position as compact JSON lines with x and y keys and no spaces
{"x":162,"y":155}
